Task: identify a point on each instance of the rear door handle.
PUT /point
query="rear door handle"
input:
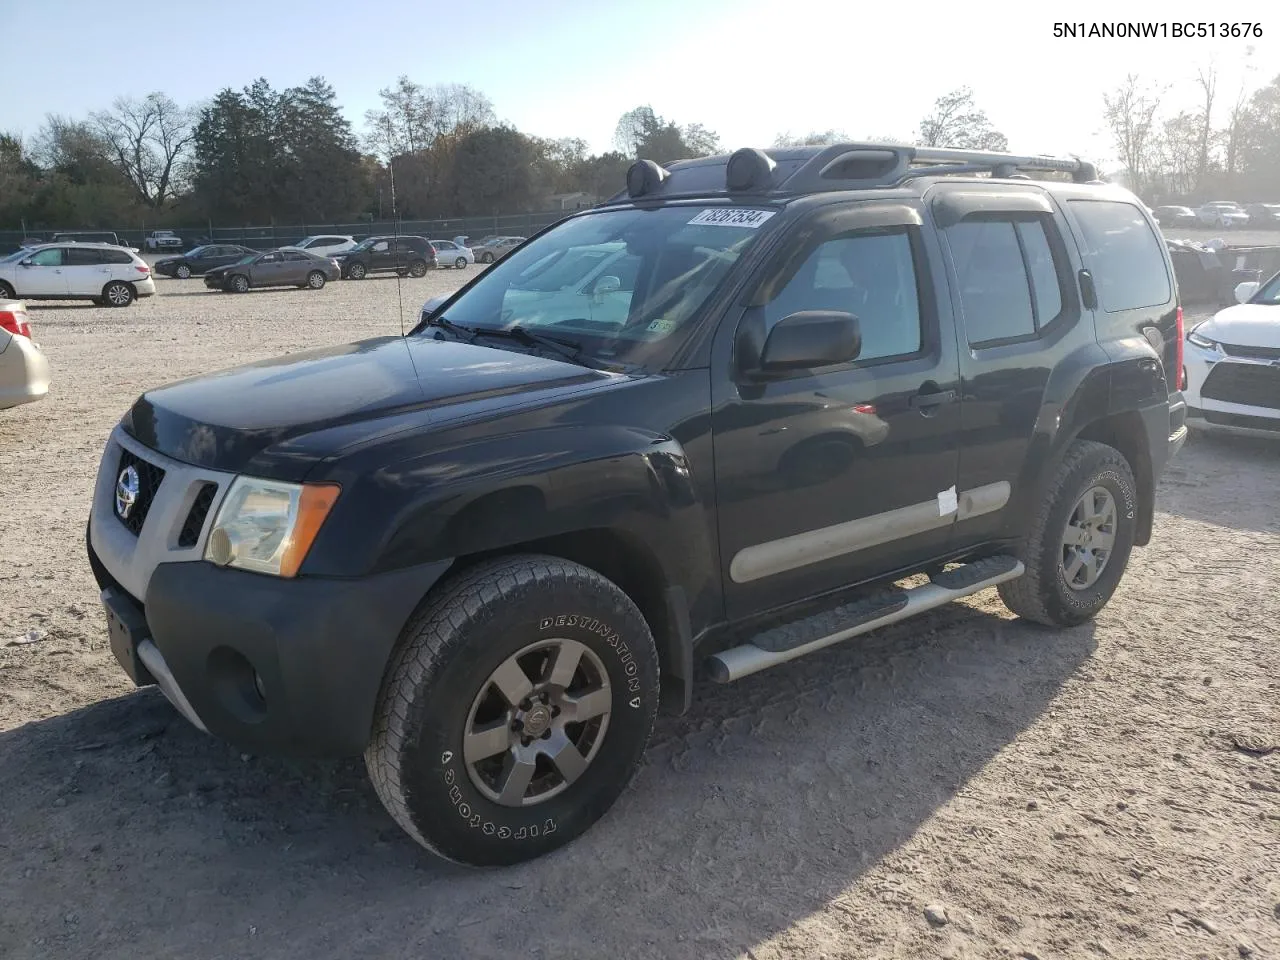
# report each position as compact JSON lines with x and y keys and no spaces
{"x":935,"y":399}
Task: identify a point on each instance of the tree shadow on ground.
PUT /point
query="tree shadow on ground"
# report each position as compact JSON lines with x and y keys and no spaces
{"x":126,"y":833}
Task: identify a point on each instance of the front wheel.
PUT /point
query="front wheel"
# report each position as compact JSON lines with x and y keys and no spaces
{"x":183,"y":272}
{"x":239,"y":283}
{"x":486,"y":258}
{"x":356,"y":271}
{"x":1080,"y":541}
{"x":117,"y":293}
{"x":6,"y":292}
{"x":515,"y":711}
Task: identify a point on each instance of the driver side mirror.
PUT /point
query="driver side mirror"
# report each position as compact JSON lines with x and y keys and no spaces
{"x":809,"y":339}
{"x":1246,"y":290}
{"x":606,"y":285}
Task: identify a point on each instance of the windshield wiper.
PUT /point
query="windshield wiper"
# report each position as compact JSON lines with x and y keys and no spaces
{"x":571,"y":350}
{"x":456,"y":329}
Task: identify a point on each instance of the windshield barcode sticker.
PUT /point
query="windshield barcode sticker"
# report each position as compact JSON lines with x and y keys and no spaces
{"x":732,"y":217}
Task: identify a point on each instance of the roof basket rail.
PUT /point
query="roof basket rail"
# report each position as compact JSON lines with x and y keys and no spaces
{"x":883,"y":165}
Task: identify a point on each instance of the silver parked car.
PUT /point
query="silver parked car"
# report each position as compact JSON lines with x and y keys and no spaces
{"x":24,"y":371}
{"x":276,"y":268}
{"x":450,"y":253}
{"x":495,"y":248}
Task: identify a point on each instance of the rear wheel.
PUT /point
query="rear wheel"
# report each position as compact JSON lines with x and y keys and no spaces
{"x":117,"y":293}
{"x":515,"y":710}
{"x":357,"y":271}
{"x":6,"y":292}
{"x":1080,"y":541}
{"x":418,"y":268}
{"x":315,"y":280}
{"x":183,"y":272}
{"x":238,"y":283}
{"x":460,"y":263}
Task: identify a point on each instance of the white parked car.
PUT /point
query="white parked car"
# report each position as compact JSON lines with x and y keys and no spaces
{"x":162,"y":240}
{"x":24,"y":371}
{"x":1233,"y":365}
{"x":1222,"y":213}
{"x":324,"y":245}
{"x":450,"y":253}
{"x":108,"y":275}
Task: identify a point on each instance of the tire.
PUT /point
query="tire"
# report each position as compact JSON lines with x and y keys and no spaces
{"x":1044,"y":594}
{"x":440,"y":684}
{"x":117,"y":293}
{"x":460,"y":263}
{"x":238,"y":283}
{"x":418,"y":268}
{"x":315,"y":280}
{"x":486,"y":258}
{"x":357,"y":271}
{"x":6,"y":292}
{"x":183,"y":272}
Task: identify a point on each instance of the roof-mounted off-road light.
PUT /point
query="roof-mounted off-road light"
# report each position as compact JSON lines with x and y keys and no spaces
{"x":645,"y":176}
{"x":749,"y":169}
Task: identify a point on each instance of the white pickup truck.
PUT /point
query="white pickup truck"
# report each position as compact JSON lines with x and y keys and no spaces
{"x":163,"y":240}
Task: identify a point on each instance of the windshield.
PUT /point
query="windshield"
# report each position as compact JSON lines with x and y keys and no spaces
{"x":1269,"y":293}
{"x":248,"y":258}
{"x":16,"y":255}
{"x":620,"y":283}
{"x":364,"y":245}
{"x":198,"y":251}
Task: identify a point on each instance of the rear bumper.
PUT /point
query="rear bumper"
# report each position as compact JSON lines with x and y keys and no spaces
{"x":24,"y":373}
{"x":281,"y":666}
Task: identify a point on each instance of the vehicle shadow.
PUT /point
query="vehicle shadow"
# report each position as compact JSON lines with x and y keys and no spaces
{"x":127,"y":833}
{"x":1224,"y":480}
{"x":261,"y":291}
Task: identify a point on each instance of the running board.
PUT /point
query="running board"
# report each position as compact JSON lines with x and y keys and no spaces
{"x":793,"y":640}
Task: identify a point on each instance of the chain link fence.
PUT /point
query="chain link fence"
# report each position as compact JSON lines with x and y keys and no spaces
{"x":277,"y":235}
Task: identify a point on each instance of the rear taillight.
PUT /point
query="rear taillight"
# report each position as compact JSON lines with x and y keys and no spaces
{"x":1182,"y":371}
{"x":15,"y":321}
{"x":142,"y":268}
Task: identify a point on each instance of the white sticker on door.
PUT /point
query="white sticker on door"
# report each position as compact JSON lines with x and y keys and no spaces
{"x":947,"y":502}
{"x":732,"y":217}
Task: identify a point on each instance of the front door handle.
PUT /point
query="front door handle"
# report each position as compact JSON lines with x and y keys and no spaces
{"x":923,"y":401}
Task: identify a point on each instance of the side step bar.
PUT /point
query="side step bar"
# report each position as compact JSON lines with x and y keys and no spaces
{"x":862,"y":616}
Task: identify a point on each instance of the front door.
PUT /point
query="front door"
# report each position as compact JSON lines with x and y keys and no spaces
{"x":829,"y":477}
{"x":41,"y":274}
{"x":269,"y":270}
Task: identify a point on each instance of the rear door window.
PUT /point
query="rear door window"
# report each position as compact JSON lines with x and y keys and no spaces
{"x":1123,"y":254}
{"x":85,"y":257}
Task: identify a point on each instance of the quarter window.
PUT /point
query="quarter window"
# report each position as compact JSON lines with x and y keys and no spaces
{"x":1009,"y":279}
{"x":1123,"y":254}
{"x":870,"y":274}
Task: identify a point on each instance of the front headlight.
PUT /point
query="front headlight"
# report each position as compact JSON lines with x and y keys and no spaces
{"x":268,"y":526}
{"x":1202,"y":341}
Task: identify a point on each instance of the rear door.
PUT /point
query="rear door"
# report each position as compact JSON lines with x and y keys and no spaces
{"x":1022,"y":339}
{"x":296,"y":267}
{"x":86,"y":271}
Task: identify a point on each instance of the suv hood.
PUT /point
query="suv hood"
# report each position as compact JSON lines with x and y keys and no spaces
{"x":1246,"y":324}
{"x":244,"y":419}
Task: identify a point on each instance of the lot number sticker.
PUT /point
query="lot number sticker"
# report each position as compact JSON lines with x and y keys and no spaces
{"x":732,"y":217}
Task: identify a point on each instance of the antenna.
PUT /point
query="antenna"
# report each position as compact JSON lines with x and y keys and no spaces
{"x":395,"y":224}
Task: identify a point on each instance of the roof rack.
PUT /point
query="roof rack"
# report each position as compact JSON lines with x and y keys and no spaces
{"x":842,"y":166}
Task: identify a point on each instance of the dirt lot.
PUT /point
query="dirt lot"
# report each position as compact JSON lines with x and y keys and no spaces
{"x":1086,"y":793}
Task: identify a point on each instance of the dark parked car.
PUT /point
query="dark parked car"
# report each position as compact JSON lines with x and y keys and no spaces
{"x":407,"y":256}
{"x":1176,"y":217}
{"x":1264,"y":215}
{"x":276,"y":268}
{"x":485,"y":552}
{"x":201,"y":260}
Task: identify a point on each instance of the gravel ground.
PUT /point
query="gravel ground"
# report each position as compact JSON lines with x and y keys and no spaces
{"x":961,"y":785}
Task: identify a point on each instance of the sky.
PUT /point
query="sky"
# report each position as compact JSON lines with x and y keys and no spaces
{"x":747,"y":69}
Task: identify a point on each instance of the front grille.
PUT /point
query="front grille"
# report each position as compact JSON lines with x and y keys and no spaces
{"x":1240,"y":420}
{"x":1256,"y":353}
{"x":195,"y":518}
{"x":1247,"y":383}
{"x":149,"y":479}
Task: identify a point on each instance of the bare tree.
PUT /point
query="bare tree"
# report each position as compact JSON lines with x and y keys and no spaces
{"x":1208,"y":80}
{"x":956,"y":121}
{"x":149,"y":140}
{"x":811,"y":139}
{"x":1130,"y":114}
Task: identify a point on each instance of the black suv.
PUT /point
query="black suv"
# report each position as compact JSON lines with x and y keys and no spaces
{"x":407,"y":256}
{"x":713,"y":421}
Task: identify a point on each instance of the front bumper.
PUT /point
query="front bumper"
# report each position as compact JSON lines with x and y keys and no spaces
{"x":24,"y":373}
{"x":281,"y":666}
{"x":315,"y":647}
{"x":1210,"y":413}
